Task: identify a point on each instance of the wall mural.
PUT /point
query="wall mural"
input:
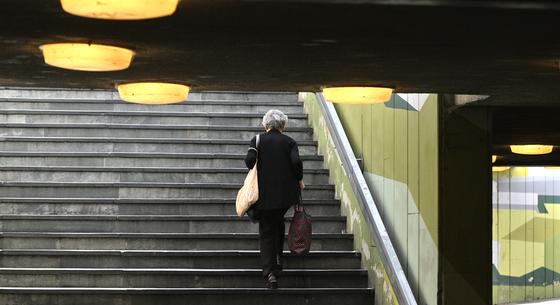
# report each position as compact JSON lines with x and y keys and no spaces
{"x":398,"y":142}
{"x":526,"y":234}
{"x":408,"y":101}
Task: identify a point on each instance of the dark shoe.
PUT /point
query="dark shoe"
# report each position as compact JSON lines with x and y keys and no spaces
{"x":271,"y":281}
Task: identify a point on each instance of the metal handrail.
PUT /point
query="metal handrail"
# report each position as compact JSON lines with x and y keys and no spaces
{"x":381,"y":237}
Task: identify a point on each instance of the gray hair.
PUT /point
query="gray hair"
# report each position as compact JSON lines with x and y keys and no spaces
{"x":275,"y":119}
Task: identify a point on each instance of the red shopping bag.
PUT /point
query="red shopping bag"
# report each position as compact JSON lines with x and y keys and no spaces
{"x":299,"y":235}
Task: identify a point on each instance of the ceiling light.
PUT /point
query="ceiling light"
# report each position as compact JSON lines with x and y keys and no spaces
{"x":153,"y":93}
{"x":120,"y":9}
{"x":494,"y":158}
{"x":499,"y":168}
{"x":357,"y":95}
{"x":86,"y":57}
{"x":531,"y":149}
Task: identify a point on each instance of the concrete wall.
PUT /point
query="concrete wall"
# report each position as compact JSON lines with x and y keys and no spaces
{"x":398,"y":141}
{"x":465,"y":215}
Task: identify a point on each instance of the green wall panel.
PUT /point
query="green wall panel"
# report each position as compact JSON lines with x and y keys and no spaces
{"x":428,"y":174}
{"x":413,"y":247}
{"x":399,"y":143}
{"x":400,"y":212}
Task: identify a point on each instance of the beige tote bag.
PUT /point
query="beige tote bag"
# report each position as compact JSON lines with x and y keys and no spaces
{"x":249,"y":192}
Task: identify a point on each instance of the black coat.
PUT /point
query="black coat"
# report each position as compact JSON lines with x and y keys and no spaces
{"x":279,"y":170}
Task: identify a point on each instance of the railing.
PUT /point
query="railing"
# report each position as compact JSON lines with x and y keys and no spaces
{"x":382,"y":240}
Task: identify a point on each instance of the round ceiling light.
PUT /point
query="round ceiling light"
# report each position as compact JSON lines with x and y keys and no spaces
{"x":87,"y":57}
{"x":531,"y":149}
{"x":500,"y":168}
{"x":357,"y":95}
{"x":120,"y":9}
{"x":153,"y":93}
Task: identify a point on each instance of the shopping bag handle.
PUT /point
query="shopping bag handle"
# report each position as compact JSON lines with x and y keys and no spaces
{"x":299,"y":205}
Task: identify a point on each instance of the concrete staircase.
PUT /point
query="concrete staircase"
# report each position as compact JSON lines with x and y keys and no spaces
{"x":104,"y":202}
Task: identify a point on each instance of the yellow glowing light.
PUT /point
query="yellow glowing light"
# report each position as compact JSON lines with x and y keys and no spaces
{"x":531,"y":149}
{"x":499,"y":168}
{"x":357,"y":95}
{"x":87,"y":57}
{"x":494,"y":158}
{"x":153,"y":93}
{"x":120,"y":9}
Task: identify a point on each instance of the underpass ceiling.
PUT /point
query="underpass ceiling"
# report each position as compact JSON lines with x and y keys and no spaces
{"x":525,"y":125}
{"x":464,"y":47}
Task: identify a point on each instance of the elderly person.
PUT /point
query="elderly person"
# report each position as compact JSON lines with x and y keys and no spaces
{"x":280,"y":174}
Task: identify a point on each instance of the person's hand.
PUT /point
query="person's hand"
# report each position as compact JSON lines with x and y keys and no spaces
{"x":301,"y":185}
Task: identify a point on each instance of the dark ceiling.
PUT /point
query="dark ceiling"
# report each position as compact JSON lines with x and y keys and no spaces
{"x":468,"y":47}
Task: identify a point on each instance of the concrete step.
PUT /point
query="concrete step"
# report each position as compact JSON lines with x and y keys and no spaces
{"x":108,"y":206}
{"x":245,"y":96}
{"x":158,"y":241}
{"x":107,"y":202}
{"x":151,"y":223}
{"x":34,"y":189}
{"x":143,"y":159}
{"x":142,"y":117}
{"x":183,"y":296}
{"x":142,"y":131}
{"x":139,"y":174}
{"x":179,"y":278}
{"x":72,"y":95}
{"x":135,"y":145}
{"x":189,"y":106}
{"x":197,"y":259}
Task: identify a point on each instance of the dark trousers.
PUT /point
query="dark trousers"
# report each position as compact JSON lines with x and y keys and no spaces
{"x":271,"y":235}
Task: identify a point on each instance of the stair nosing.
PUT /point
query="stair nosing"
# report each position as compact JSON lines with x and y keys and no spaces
{"x":147,"y":200}
{"x":109,"y":290}
{"x":326,"y":187}
{"x":166,"y":253}
{"x":142,"y":169}
{"x":185,"y":103}
{"x":220,"y":271}
{"x":146,"y":126}
{"x":138,"y":140}
{"x":146,"y":113}
{"x":304,"y":157}
{"x":85,"y":217}
{"x":81,"y":235}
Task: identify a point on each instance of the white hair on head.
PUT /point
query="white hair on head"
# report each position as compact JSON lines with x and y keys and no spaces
{"x":275,"y":119}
